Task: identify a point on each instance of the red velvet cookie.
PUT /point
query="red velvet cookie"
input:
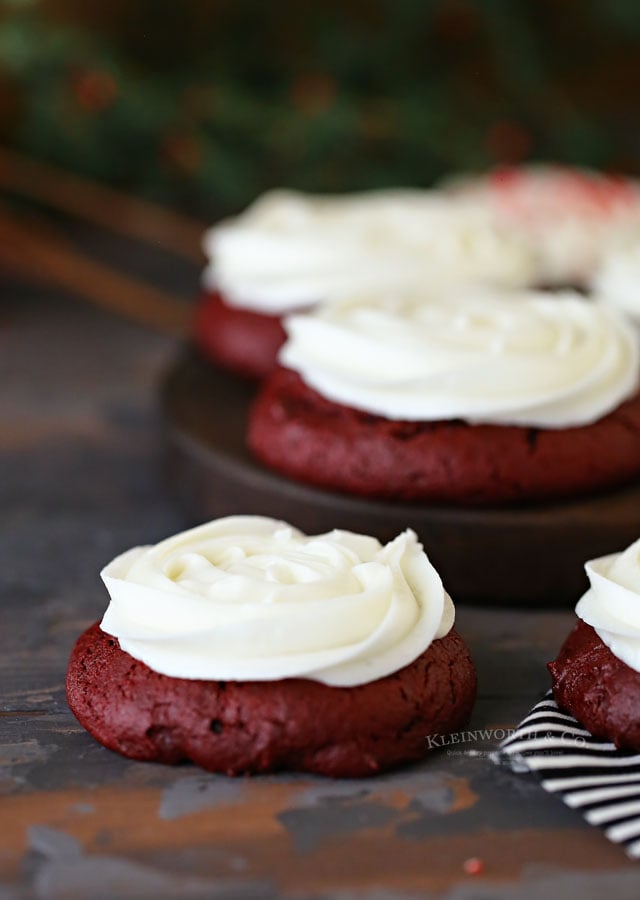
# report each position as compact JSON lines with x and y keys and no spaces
{"x":598,"y":689}
{"x":292,"y":724}
{"x":243,"y":341}
{"x":296,"y":431}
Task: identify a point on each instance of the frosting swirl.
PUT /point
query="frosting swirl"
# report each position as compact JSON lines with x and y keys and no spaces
{"x":291,"y":250}
{"x":251,"y":598}
{"x":612,"y":603}
{"x":530,"y":358}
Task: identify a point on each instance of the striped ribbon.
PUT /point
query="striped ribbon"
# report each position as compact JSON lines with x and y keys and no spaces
{"x":589,"y":774}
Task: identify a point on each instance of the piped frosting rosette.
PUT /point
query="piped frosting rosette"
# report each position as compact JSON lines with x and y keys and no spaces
{"x":251,"y":598}
{"x":612,"y":603}
{"x":291,"y":250}
{"x":527,"y":358}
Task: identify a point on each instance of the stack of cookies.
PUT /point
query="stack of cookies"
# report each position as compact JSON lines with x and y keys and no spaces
{"x":411,"y":347}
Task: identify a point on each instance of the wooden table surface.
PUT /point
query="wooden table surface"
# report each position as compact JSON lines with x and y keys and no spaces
{"x":81,"y":478}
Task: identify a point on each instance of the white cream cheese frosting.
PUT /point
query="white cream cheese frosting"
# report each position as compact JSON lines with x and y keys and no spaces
{"x":569,"y":215}
{"x":612,"y":603}
{"x":617,"y":281}
{"x":251,"y":598}
{"x":525,"y":358}
{"x":291,"y":250}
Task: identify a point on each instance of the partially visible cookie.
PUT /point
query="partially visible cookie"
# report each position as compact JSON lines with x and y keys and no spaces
{"x":293,"y":724}
{"x":596,"y":676}
{"x":241,"y":340}
{"x":570,"y":216}
{"x":597,"y":688}
{"x":291,"y":251}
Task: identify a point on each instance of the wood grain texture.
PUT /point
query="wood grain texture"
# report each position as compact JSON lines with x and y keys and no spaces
{"x":51,"y":260}
{"x":99,"y":204}
{"x":81,"y":479}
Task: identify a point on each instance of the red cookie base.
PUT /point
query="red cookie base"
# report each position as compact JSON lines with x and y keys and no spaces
{"x":597,"y":688}
{"x":293,"y":724}
{"x":304,"y":436}
{"x":240,"y":340}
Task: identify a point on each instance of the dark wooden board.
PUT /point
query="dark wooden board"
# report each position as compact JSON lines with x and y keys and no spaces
{"x":530,"y":555}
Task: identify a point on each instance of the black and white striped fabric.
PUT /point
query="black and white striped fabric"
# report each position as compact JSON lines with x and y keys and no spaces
{"x":589,"y":774}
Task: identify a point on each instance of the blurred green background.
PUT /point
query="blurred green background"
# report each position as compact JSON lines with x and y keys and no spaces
{"x":206,"y":104}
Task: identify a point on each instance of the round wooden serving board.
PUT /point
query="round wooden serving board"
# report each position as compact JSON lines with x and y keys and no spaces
{"x":531,"y":555}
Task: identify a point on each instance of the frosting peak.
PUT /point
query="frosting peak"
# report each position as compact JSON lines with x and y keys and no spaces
{"x":612,"y":603}
{"x":515,"y":359}
{"x":251,"y":598}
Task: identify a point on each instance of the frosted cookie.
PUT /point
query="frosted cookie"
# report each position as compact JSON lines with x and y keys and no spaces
{"x":477,"y":400}
{"x":245,"y":646}
{"x":291,"y":251}
{"x":596,"y":676}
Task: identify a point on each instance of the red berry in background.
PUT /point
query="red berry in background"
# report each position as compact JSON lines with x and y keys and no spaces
{"x":95,"y":90}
